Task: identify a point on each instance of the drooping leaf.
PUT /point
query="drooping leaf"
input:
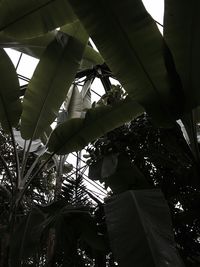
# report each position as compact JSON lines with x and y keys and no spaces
{"x":140,"y":229}
{"x":74,"y":134}
{"x":36,"y":145}
{"x":25,"y":19}
{"x":182,"y":34}
{"x":181,"y":31}
{"x":50,"y":82}
{"x":86,"y":94}
{"x":77,"y":102}
{"x":10,"y":104}
{"x":132,"y":46}
{"x":74,"y":109}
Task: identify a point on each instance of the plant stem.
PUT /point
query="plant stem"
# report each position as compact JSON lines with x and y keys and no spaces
{"x":30,"y":171}
{"x":25,"y":158}
{"x":16,"y":156}
{"x":59,"y":178}
{"x":31,"y":179}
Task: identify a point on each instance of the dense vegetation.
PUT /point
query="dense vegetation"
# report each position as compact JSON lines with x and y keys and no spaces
{"x":48,"y":217}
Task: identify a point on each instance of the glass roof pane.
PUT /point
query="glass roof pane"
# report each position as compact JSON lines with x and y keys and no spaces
{"x":13,"y":54}
{"x":27,"y":66}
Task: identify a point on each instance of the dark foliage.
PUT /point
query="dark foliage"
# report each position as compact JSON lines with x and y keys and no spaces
{"x":48,"y":229}
{"x":165,"y":160}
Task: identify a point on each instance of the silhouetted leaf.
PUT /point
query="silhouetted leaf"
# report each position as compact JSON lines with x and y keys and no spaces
{"x":132,"y":46}
{"x":140,"y":229}
{"x":10,"y":104}
{"x":182,"y":34}
{"x":25,"y":19}
{"x":74,"y":134}
{"x":50,"y":83}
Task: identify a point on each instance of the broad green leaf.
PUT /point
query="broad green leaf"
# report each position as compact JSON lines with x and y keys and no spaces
{"x":50,"y":83}
{"x":74,"y":134}
{"x":132,"y":46}
{"x":10,"y":104}
{"x":36,"y":145}
{"x":33,"y":47}
{"x":140,"y":221}
{"x":89,"y":54}
{"x":86,"y":94}
{"x":182,"y":34}
{"x":75,"y":104}
{"x":25,"y":19}
{"x":93,"y":56}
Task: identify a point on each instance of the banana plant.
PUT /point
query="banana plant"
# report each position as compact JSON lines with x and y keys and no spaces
{"x":46,"y":92}
{"x":159,"y":73}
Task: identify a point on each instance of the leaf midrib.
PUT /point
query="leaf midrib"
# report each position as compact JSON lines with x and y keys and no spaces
{"x":49,"y":91}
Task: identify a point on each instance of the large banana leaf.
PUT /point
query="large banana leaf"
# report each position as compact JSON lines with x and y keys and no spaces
{"x":182,"y":34}
{"x":140,"y":229}
{"x":35,"y":46}
{"x":74,"y":134}
{"x":89,"y":54}
{"x":10,"y":104}
{"x":25,"y":19}
{"x":50,"y":82}
{"x":132,"y":46}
